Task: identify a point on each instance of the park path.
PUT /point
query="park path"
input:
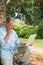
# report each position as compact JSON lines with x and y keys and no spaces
{"x":37,"y":50}
{"x":36,"y":56}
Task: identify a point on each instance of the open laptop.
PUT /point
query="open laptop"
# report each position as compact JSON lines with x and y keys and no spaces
{"x":29,"y":40}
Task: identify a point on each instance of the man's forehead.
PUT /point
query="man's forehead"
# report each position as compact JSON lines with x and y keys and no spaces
{"x":12,"y":22}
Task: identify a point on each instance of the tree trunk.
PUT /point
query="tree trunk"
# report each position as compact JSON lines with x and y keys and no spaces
{"x":2,"y":11}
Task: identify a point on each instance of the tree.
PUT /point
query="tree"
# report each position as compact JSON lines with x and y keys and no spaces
{"x":29,"y":8}
{"x":2,"y":11}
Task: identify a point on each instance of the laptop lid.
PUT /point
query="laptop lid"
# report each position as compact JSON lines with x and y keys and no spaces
{"x":31,"y":39}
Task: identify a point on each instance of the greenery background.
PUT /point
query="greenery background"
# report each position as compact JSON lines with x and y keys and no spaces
{"x":33,"y":13}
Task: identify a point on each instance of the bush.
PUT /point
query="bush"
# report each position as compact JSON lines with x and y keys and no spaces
{"x":40,"y":30}
{"x":25,"y":31}
{"x":17,"y":28}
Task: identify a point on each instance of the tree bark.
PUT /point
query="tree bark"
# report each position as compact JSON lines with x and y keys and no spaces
{"x":2,"y":11}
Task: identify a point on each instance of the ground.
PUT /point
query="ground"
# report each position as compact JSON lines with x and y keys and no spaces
{"x":36,"y":57}
{"x":35,"y":60}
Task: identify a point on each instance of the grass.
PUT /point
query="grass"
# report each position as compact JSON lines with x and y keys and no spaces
{"x":37,"y":42}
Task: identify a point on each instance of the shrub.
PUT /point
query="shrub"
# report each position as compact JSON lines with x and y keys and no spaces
{"x":25,"y":31}
{"x":17,"y":28}
{"x":40,"y":30}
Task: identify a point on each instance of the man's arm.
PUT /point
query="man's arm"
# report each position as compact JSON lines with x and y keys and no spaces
{"x":8,"y":36}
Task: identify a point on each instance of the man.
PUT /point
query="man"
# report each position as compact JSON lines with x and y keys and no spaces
{"x":8,"y":41}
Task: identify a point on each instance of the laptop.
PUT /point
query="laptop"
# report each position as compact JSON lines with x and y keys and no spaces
{"x":29,"y":40}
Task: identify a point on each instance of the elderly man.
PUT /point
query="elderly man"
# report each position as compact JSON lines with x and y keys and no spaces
{"x":8,"y":41}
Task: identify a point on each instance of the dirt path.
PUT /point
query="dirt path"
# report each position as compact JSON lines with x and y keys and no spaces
{"x":36,"y":56}
{"x":37,"y":50}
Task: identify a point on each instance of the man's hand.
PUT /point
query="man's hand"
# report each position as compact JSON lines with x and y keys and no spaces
{"x":8,"y":35}
{"x":30,"y":44}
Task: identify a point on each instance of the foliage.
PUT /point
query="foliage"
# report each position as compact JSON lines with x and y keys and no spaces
{"x":40,"y":30}
{"x":17,"y":28}
{"x":29,"y":8}
{"x":33,"y":16}
{"x":25,"y":31}
{"x":10,"y":8}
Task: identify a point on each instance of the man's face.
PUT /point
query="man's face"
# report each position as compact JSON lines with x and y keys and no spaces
{"x":10,"y":24}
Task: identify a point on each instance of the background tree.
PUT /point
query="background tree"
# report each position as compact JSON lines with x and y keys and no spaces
{"x":2,"y":11}
{"x":29,"y":8}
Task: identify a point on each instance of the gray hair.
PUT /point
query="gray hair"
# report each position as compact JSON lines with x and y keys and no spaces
{"x":8,"y":19}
